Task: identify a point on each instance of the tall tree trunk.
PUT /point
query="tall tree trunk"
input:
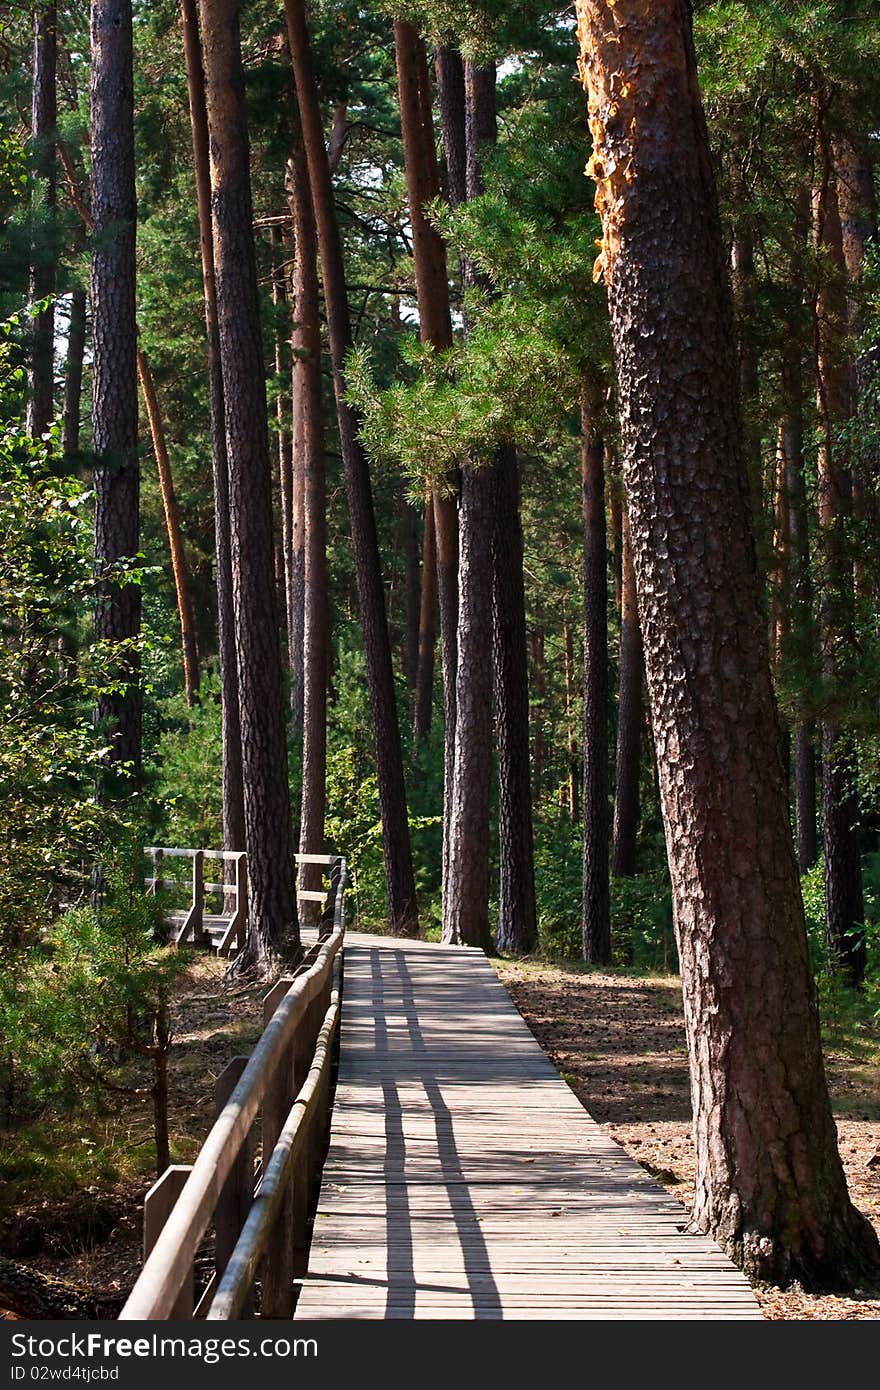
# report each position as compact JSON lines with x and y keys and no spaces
{"x":273,"y":927}
{"x":858,"y":223}
{"x":293,"y":500}
{"x":283,"y":484}
{"x":517,"y":920}
{"x":424,"y":693}
{"x":402,"y":906}
{"x":44,"y":118}
{"x":844,"y":905}
{"x":451,"y":96}
{"x":115,"y":404}
{"x":769,"y":1183}
{"x":73,"y":375}
{"x":596,"y":922}
{"x":629,"y":721}
{"x":574,"y":770}
{"x":233,"y":785}
{"x":179,"y":566}
{"x":311,"y":463}
{"x":539,"y":711}
{"x":435,"y":327}
{"x":409,"y":542}
{"x":466,"y":903}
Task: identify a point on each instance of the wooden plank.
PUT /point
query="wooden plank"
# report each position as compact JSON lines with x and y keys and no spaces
{"x":237,"y":1193}
{"x":464,"y":1178}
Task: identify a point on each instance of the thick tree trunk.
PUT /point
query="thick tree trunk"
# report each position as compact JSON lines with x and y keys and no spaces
{"x":629,"y":721}
{"x":844,"y":905}
{"x":517,"y":920}
{"x":769,"y":1183}
{"x":115,"y":403}
{"x":596,"y":922}
{"x":268,"y":829}
{"x":233,"y":786}
{"x":309,"y":433}
{"x":73,"y":374}
{"x":44,"y":118}
{"x":179,"y":566}
{"x":402,"y":907}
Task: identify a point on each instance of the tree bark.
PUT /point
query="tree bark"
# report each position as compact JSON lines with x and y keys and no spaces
{"x":115,"y":401}
{"x":233,"y":785}
{"x":629,"y":721}
{"x":171,"y":508}
{"x":770,"y":1187}
{"x":308,"y":395}
{"x":44,"y":119}
{"x":596,"y":922}
{"x":844,"y":905}
{"x":402,"y":906}
{"x":517,"y":932}
{"x":273,"y":927}
{"x":409,"y":543}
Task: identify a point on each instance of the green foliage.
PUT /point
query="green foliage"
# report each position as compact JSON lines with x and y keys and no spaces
{"x":87,"y":1009}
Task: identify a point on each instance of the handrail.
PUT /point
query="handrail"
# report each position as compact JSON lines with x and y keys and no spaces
{"x":167,"y":1266}
{"x":241,"y":1270}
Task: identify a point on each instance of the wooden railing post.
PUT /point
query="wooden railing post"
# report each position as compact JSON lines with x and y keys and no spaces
{"x":198,"y":903}
{"x":276,"y":1299}
{"x":237,"y":1192}
{"x":158,"y":1205}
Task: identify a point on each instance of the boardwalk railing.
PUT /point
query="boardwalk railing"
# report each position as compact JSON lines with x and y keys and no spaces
{"x":226,"y":929}
{"x":260,"y":1218}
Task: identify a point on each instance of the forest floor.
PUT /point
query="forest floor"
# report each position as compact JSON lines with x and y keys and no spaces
{"x":618,"y":1040}
{"x":72,"y":1186}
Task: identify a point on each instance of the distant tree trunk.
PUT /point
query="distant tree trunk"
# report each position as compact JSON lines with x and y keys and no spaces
{"x":233,"y":785}
{"x":539,"y":711}
{"x":435,"y":327}
{"x":613,"y":487}
{"x":268,"y":830}
{"x":424,"y":692}
{"x":574,"y":771}
{"x":402,"y":907}
{"x":770,"y":1187}
{"x":596,"y":904}
{"x":308,"y":395}
{"x":409,"y":540}
{"x":73,"y":376}
{"x":179,"y":566}
{"x":115,"y":404}
{"x":44,"y":118}
{"x":629,"y":721}
{"x":305,"y":306}
{"x":466,"y":905}
{"x":844,"y":904}
{"x":451,"y":95}
{"x":450,"y":90}
{"x":802,"y":635}
{"x":858,"y":224}
{"x":517,"y":920}
{"x":284,"y":441}
{"x":743,"y":278}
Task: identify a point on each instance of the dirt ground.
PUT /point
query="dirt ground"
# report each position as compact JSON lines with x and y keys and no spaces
{"x":619,"y":1042}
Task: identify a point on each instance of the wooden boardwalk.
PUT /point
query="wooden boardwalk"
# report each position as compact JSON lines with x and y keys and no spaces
{"x":465,"y":1179}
